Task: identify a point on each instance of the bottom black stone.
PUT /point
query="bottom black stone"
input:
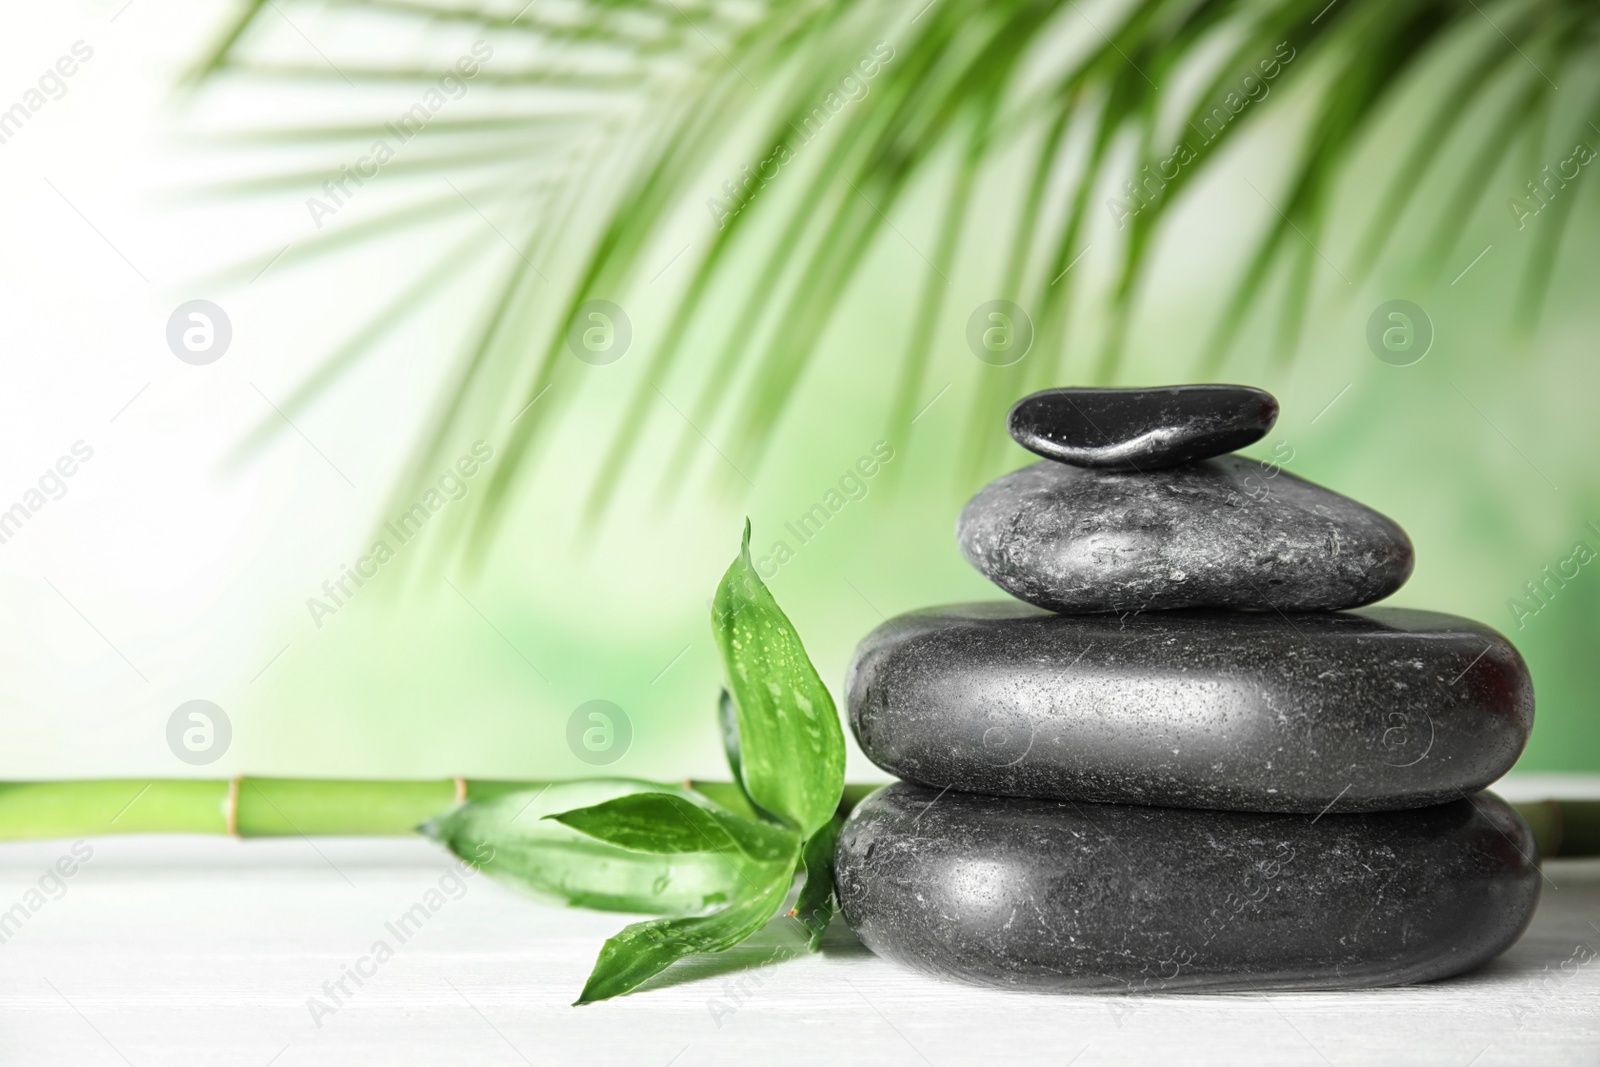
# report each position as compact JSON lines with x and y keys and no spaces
{"x":1061,"y":896}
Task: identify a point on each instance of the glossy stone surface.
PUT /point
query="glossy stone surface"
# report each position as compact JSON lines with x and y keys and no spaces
{"x":1141,"y":429}
{"x":1250,"y":711}
{"x":1061,"y":896}
{"x":1226,"y":532}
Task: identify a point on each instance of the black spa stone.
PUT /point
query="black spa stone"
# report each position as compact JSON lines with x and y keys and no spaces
{"x":1251,"y":711}
{"x":1141,"y":429}
{"x":1226,"y":532}
{"x":1059,"y":896}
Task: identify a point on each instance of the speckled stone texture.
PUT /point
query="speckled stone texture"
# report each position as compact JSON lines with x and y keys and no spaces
{"x":1141,"y":429}
{"x":1062,"y":896}
{"x":1249,"y":711}
{"x":1218,"y":533}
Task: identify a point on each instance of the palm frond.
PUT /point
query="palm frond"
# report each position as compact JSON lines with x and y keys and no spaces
{"x":606,"y":120}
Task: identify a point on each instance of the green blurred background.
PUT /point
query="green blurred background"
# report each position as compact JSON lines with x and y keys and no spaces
{"x":226,"y":494}
{"x":1484,"y":450}
{"x":418,"y":683}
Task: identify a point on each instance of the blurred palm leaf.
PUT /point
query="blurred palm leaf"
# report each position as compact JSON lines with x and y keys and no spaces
{"x":609,"y":118}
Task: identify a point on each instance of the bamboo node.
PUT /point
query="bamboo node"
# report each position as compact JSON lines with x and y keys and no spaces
{"x":230,"y":811}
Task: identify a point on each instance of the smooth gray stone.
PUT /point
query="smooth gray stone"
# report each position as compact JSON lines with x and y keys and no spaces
{"x":1251,"y":711}
{"x":1141,"y":429}
{"x":1219,"y":533}
{"x":1058,"y":896}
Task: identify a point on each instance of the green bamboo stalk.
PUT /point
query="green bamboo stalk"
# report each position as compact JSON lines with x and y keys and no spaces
{"x":265,"y":807}
{"x":36,"y":810}
{"x":312,"y":807}
{"x":1563,"y":827}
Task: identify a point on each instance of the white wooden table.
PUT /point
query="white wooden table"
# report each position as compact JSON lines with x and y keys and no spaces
{"x":206,"y":951}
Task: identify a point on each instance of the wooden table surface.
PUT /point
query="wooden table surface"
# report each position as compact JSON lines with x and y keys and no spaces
{"x":167,"y":950}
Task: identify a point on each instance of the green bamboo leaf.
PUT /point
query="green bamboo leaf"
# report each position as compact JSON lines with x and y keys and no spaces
{"x":739,"y":802}
{"x":728,"y":721}
{"x":668,"y":824}
{"x":816,"y":903}
{"x":645,"y":949}
{"x":509,"y":839}
{"x":727,"y":795}
{"x":791,"y":745}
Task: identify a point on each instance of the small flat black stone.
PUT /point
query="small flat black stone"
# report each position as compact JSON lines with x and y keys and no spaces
{"x":1253,"y":711}
{"x":1225,"y":532}
{"x":1052,"y":896}
{"x":1141,"y":429}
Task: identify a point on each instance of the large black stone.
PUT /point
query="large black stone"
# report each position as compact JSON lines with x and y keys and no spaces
{"x":1060,"y":896}
{"x":1141,"y":429}
{"x":1227,"y":532}
{"x":1252,"y":711}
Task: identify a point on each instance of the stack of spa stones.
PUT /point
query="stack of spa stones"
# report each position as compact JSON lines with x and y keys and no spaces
{"x":1183,"y":763}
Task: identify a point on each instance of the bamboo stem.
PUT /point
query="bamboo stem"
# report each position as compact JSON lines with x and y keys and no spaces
{"x":310,"y":807}
{"x":1563,"y":827}
{"x":34,"y":810}
{"x":262,"y":807}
